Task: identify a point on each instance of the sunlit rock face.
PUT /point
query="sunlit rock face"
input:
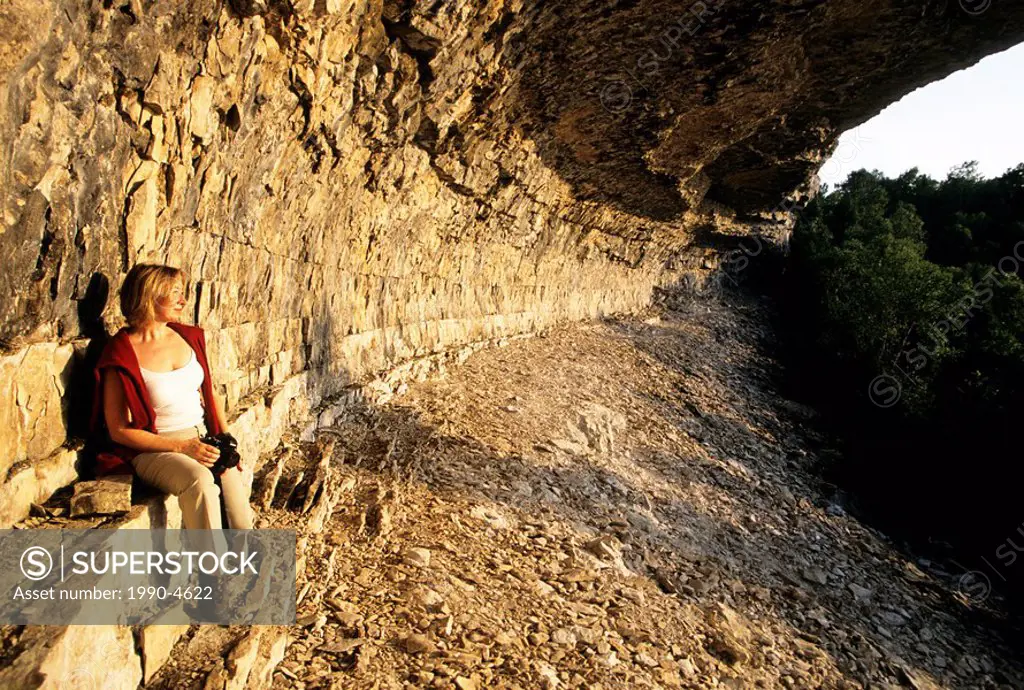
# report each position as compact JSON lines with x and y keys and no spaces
{"x":353,"y":185}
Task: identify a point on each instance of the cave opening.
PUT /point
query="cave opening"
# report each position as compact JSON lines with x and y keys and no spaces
{"x":974,"y":114}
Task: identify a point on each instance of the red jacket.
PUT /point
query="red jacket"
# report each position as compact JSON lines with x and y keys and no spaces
{"x":119,"y":355}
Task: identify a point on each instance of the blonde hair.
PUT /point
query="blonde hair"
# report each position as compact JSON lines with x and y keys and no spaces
{"x":143,"y":286}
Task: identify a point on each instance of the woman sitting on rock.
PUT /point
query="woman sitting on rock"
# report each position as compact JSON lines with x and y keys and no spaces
{"x":155,"y":397}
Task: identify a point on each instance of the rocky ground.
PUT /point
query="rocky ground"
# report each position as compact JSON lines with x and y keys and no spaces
{"x":624,"y":504}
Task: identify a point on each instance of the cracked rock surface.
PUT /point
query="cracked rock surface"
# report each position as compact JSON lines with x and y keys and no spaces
{"x":351,"y":185}
{"x":357,"y":186}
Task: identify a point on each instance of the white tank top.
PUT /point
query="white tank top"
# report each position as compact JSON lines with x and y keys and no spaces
{"x":175,"y":395}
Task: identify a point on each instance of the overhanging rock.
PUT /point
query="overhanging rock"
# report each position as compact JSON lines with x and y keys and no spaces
{"x":352,"y":185}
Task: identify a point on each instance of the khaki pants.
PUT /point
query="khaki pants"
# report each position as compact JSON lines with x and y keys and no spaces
{"x":192,"y":483}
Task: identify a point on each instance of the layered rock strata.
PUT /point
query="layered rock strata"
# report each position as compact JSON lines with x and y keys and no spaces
{"x":354,"y":185}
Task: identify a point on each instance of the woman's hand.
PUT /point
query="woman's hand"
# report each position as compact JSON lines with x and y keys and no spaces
{"x":203,"y":453}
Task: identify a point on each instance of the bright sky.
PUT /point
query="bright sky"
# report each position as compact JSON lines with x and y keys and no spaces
{"x":974,"y":114}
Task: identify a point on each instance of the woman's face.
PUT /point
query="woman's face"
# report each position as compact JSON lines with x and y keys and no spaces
{"x":171,"y":306}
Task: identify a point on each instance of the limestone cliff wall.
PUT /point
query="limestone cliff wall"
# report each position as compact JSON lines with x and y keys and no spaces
{"x":353,"y":184}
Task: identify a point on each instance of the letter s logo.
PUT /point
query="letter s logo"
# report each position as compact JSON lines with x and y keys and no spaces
{"x":884,"y":390}
{"x":36,"y":563}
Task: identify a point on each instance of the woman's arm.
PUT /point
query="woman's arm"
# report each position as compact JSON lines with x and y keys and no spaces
{"x":222,"y":422}
{"x":218,"y":413}
{"x":115,"y":412}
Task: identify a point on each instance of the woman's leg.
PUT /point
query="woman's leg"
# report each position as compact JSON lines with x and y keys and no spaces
{"x":236,"y":499}
{"x":178,"y":474}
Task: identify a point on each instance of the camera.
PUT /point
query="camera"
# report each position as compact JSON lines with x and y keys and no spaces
{"x":228,"y":447}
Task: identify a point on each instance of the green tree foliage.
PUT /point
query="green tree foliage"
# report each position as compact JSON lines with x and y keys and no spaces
{"x":917,"y":280}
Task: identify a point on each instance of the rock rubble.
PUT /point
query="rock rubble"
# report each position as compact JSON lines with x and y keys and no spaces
{"x":691,"y":552}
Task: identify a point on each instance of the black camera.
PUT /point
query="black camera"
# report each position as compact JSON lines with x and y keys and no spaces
{"x":228,"y":447}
